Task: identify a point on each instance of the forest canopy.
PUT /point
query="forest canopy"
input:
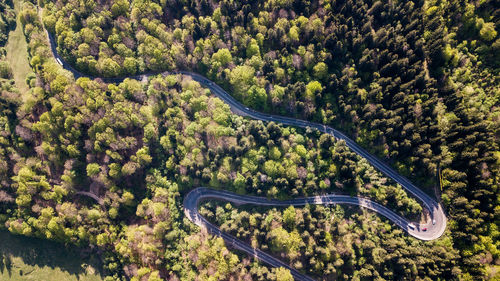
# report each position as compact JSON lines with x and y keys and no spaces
{"x":107,"y":165}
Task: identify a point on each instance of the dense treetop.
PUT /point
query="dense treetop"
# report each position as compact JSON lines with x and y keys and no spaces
{"x":415,"y":82}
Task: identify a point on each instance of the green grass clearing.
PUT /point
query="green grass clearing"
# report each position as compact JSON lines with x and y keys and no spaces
{"x":17,"y":54}
{"x":31,"y":259}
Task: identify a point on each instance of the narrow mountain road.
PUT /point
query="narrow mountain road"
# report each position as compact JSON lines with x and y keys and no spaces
{"x":430,"y":230}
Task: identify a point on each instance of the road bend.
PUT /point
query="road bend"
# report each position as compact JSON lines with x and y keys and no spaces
{"x":430,"y":230}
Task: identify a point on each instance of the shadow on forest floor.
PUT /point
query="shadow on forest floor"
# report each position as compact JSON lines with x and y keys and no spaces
{"x":28,"y":258}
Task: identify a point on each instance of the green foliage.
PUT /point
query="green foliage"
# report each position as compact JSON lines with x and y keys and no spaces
{"x":7,"y":20}
{"x":242,"y":78}
{"x":488,"y":32}
{"x":120,"y":8}
{"x":289,"y":217}
{"x":215,"y":252}
{"x":335,"y":240}
{"x":414,"y":82}
{"x":223,"y":57}
{"x":283,"y":274}
{"x":320,"y":70}
{"x":253,"y":49}
{"x":313,"y":88}
{"x":93,"y":169}
{"x":256,"y":97}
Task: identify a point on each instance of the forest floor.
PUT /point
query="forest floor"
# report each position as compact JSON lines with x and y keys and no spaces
{"x":17,"y":54}
{"x":25,"y":259}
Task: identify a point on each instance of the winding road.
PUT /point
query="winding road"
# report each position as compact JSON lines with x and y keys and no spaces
{"x":430,"y":230}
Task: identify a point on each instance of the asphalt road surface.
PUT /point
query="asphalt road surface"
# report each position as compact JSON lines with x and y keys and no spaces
{"x":430,"y":230}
